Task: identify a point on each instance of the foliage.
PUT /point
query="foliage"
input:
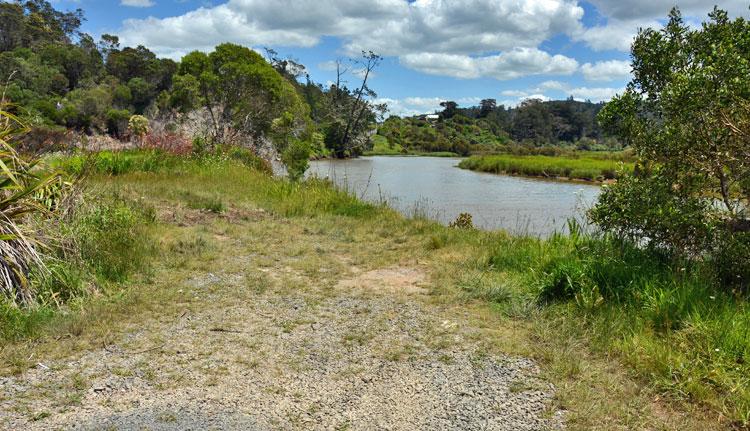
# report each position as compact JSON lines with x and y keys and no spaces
{"x":58,"y":75}
{"x":669,"y":320}
{"x":345,"y":116}
{"x":491,"y":128}
{"x":295,"y":158}
{"x":118,"y":122}
{"x":241,"y":92}
{"x":687,"y":115}
{"x":24,"y":188}
{"x":138,"y":126}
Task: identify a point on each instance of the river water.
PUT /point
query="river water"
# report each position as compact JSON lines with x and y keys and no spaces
{"x":436,"y":188}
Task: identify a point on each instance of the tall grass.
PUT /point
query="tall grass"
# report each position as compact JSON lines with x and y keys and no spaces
{"x":587,"y":167}
{"x":153,"y":160}
{"x":670,"y":320}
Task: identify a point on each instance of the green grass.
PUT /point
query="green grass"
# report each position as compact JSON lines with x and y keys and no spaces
{"x":587,"y":166}
{"x":586,"y":300}
{"x":669,"y":321}
{"x":115,"y":163}
{"x":382,"y":147}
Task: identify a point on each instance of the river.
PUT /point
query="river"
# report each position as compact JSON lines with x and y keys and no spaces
{"x":434,"y":187}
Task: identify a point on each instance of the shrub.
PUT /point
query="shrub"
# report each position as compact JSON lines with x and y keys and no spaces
{"x":138,"y":127}
{"x":117,"y":122}
{"x":46,"y":139}
{"x":686,"y":114}
{"x":296,"y":157}
{"x":172,"y":143}
{"x":463,"y":221}
{"x":248,"y":158}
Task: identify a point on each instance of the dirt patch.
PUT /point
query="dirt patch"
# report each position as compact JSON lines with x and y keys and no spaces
{"x":182,"y":216}
{"x":388,"y":280}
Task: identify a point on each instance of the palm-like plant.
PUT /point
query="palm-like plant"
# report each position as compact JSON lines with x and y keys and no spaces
{"x":22,"y":183}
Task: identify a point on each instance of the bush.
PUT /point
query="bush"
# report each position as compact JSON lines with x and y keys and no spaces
{"x":248,"y":158}
{"x":117,"y":122}
{"x":172,"y":143}
{"x":686,"y":114}
{"x":296,"y":157}
{"x":46,"y":139}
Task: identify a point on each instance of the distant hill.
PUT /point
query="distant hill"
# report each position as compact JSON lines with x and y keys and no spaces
{"x":489,"y":128}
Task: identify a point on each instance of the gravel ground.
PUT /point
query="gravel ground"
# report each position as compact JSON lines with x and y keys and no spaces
{"x":366,"y":352}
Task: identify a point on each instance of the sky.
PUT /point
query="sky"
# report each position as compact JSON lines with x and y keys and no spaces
{"x":433,"y":50}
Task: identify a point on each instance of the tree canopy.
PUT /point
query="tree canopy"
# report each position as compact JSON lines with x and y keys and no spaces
{"x":686,"y":113}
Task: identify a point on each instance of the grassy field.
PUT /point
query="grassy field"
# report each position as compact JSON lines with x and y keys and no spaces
{"x":586,"y":166}
{"x":631,"y":339}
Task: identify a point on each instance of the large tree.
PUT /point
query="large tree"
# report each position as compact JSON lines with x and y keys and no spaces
{"x":687,"y":115}
{"x":241,"y":92}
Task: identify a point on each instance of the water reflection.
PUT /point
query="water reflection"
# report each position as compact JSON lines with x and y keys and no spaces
{"x":434,"y":187}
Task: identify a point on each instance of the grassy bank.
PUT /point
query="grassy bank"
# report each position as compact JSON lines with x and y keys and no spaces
{"x":587,"y":166}
{"x":582,"y":306}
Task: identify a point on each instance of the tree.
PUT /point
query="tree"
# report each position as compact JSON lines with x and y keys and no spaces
{"x":487,"y":106}
{"x":449,"y":109}
{"x":532,"y":121}
{"x":687,"y":115}
{"x":360,"y":106}
{"x":240,"y":91}
{"x":24,"y":24}
{"x":138,"y":127}
{"x":245,"y":96}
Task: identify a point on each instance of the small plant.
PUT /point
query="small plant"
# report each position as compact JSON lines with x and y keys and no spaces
{"x":463,"y":221}
{"x":138,"y":127}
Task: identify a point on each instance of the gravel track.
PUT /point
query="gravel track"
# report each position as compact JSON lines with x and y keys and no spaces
{"x":339,"y":355}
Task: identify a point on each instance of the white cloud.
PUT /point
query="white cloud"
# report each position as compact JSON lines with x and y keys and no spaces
{"x":509,"y":65}
{"x":645,"y":9}
{"x":615,"y":35}
{"x":594,"y":94}
{"x":624,"y":18}
{"x":501,"y":37}
{"x":536,"y":96}
{"x":137,"y":3}
{"x":404,"y":109}
{"x":513,"y":93}
{"x":606,"y":70}
{"x":553,"y":85}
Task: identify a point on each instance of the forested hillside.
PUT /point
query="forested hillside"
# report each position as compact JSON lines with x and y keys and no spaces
{"x":65,"y":85}
{"x":488,"y":127}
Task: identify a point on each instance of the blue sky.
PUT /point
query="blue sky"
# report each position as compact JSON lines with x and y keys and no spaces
{"x":462,"y":50}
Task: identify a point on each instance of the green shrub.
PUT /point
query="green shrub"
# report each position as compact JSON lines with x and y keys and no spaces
{"x":248,"y":158}
{"x":117,"y":122}
{"x":295,"y":157}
